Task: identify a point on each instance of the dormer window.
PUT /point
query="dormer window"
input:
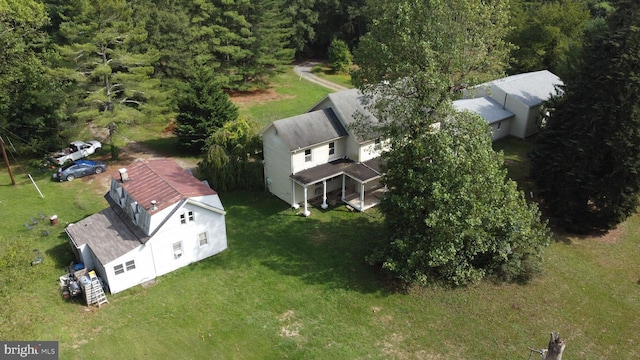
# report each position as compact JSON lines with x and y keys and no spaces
{"x":332,"y":148}
{"x":188,"y":216}
{"x":307,"y":155}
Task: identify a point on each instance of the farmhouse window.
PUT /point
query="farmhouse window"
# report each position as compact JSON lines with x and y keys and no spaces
{"x":202,"y":239}
{"x":307,"y":155}
{"x":332,"y":148}
{"x":187,"y":216}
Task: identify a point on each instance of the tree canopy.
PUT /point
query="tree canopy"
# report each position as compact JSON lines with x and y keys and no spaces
{"x":450,"y":213}
{"x":586,"y":162}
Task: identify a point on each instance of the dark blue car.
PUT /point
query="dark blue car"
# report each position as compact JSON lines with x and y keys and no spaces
{"x":79,"y":168}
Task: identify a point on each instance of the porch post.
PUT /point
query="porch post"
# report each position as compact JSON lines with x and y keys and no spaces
{"x":361,"y":197}
{"x":294,"y":204}
{"x":324,"y":195}
{"x":306,"y":211}
{"x":343,"y":184}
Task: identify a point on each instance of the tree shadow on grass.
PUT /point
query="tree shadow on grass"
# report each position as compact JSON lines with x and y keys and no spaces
{"x":327,"y":248}
{"x":61,"y":254}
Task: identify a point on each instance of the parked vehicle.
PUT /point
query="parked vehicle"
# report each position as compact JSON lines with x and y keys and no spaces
{"x":76,"y":150}
{"x":78,"y":169}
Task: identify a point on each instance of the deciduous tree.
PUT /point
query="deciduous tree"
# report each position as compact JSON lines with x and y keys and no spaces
{"x":30,"y":106}
{"x":450,"y":212}
{"x":233,"y":161}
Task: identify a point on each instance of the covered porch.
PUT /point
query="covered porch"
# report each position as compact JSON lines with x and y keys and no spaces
{"x":356,"y":184}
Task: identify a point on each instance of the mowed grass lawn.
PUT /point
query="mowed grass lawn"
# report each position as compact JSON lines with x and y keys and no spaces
{"x":299,"y":288}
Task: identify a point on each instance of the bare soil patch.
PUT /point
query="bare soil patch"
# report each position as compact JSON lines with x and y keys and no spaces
{"x":257,"y":96}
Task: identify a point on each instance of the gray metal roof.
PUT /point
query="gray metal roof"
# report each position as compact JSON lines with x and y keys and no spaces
{"x":486,"y":107}
{"x":531,"y":88}
{"x":109,"y":233}
{"x":303,"y":131}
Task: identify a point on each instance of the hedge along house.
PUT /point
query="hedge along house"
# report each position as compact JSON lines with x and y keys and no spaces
{"x":160,"y":219}
{"x":311,"y":155}
{"x":512,"y":105}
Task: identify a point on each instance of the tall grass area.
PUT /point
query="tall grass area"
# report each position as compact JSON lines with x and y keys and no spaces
{"x":295,"y":287}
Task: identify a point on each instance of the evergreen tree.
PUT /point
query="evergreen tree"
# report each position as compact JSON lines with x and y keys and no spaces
{"x":114,"y":82}
{"x":586,"y":163}
{"x":203,"y":109}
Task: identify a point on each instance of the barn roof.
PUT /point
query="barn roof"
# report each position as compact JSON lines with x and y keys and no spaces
{"x":486,"y":107}
{"x":532,"y":88}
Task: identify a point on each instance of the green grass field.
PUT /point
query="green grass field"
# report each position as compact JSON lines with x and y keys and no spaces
{"x":289,"y":96}
{"x":299,"y":288}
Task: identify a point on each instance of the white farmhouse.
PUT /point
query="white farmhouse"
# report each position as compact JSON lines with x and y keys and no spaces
{"x":160,"y":219}
{"x":310,"y":155}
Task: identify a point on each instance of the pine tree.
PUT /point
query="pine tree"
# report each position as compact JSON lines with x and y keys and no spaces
{"x":587,"y":163}
{"x":113,"y":81}
{"x":203,"y":109}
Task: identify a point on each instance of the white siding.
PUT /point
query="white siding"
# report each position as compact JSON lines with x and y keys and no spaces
{"x":277,"y":166}
{"x":144,"y":270}
{"x":501,"y":128}
{"x":206,"y":221}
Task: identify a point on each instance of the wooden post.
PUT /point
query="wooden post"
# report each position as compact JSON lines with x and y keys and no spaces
{"x":6,"y":161}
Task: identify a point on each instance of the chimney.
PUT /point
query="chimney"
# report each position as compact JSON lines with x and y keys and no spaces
{"x":124,"y":177}
{"x":153,"y":205}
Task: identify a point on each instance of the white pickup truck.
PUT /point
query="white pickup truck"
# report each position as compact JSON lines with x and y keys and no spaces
{"x":76,"y":150}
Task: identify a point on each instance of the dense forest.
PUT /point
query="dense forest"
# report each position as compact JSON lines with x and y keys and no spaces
{"x":64,"y":63}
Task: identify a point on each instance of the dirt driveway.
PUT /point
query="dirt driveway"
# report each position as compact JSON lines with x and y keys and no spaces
{"x":132,"y":152}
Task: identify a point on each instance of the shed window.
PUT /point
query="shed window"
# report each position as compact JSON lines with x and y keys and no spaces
{"x":177,"y":250}
{"x":499,"y":125}
{"x":118,"y":269}
{"x":332,"y":148}
{"x":307,"y":155}
{"x":130,"y":265}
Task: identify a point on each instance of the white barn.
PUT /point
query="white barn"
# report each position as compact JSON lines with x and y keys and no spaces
{"x":512,"y":105}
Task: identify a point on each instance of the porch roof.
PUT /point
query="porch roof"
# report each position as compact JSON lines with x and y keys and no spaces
{"x":362,"y":172}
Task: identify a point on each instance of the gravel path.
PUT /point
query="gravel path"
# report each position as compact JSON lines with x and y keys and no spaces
{"x":304,"y":71}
